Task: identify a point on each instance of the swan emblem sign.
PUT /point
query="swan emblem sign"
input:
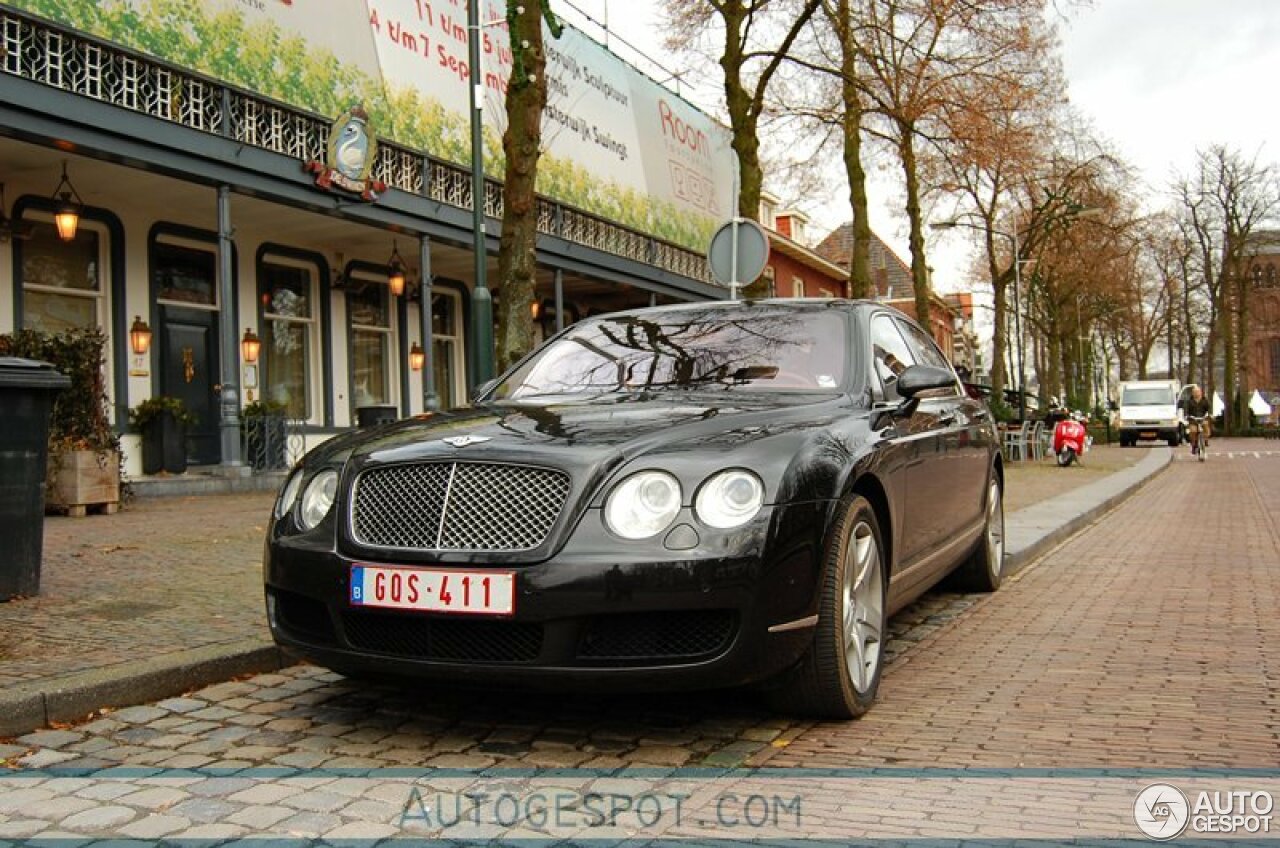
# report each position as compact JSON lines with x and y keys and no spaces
{"x":352,"y":148}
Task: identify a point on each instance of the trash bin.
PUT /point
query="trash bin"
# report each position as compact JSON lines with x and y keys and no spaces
{"x":372,"y":416}
{"x":27,"y":389}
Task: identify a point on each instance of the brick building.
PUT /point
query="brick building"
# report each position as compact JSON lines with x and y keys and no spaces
{"x":1262,"y":358}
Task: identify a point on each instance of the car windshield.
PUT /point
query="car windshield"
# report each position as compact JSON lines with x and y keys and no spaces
{"x":1148,"y":396}
{"x":768,"y":350}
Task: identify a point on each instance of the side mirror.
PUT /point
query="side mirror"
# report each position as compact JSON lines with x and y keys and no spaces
{"x":924,"y":378}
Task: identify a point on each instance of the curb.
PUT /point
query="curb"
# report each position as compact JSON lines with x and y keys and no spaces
{"x":72,"y":697}
{"x":1044,"y":526}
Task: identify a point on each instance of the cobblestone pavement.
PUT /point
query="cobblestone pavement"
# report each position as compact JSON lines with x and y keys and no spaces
{"x":128,"y":586}
{"x":1148,"y":641}
{"x":160,"y":576}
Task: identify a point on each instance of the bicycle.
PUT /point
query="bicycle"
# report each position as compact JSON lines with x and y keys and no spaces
{"x":1200,"y":447}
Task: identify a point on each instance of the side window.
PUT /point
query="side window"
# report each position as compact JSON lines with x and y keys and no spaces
{"x":925,"y":349}
{"x":890,"y":354}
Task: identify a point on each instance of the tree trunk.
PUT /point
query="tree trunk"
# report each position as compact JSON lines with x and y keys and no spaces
{"x":522,"y":143}
{"x":1000,"y":296}
{"x":919,"y":265}
{"x":860,"y":284}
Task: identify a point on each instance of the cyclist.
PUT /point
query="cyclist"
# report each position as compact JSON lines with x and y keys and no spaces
{"x":1197,"y":410}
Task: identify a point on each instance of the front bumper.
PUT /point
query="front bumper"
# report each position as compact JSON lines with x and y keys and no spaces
{"x":1162,"y":431}
{"x":601,"y":613}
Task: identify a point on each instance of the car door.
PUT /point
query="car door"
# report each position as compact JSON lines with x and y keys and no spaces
{"x":915,"y":439}
{"x":961,"y":462}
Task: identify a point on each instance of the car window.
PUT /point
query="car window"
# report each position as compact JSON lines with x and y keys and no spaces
{"x":890,"y":354}
{"x":925,"y":349}
{"x":696,"y":348}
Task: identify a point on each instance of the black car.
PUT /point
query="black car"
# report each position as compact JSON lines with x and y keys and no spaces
{"x":700,"y":495}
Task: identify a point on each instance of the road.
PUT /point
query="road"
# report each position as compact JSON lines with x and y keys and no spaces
{"x":1145,"y":648}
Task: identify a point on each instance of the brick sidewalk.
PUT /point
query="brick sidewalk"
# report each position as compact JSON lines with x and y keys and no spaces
{"x":161,"y":576}
{"x":1150,"y":639}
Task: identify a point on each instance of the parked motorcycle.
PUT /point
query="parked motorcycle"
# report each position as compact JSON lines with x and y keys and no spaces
{"x":1071,"y":440}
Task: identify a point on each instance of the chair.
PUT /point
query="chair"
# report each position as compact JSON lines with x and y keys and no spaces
{"x":1015,"y":442}
{"x":1035,"y":441}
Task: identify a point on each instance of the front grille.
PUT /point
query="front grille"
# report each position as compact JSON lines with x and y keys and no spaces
{"x":657,"y":635}
{"x":304,"y":618}
{"x":457,"y":506}
{"x":443,"y":638}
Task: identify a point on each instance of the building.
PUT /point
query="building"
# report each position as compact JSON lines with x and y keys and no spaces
{"x":1262,"y":370}
{"x":893,"y":282}
{"x":219,"y":202}
{"x":795,"y":269}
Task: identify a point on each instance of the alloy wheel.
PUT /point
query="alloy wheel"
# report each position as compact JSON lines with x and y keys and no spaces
{"x":863,"y":613}
{"x":995,"y":529}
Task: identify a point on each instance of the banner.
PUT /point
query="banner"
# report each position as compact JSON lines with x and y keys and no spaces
{"x":616,"y":143}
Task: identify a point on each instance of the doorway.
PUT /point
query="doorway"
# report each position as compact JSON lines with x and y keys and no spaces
{"x":186,"y":288}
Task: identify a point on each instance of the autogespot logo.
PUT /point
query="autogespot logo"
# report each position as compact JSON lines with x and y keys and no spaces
{"x":1161,"y":811}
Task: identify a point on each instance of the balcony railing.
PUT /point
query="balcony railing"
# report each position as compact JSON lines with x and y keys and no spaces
{"x":72,"y":61}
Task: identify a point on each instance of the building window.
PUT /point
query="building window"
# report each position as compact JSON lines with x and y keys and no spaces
{"x":1275,"y":364}
{"x":446,"y":348}
{"x":769,"y":281}
{"x":62,"y":281}
{"x":797,"y":286}
{"x":369,"y":309}
{"x":186,"y":275}
{"x":288,"y":333}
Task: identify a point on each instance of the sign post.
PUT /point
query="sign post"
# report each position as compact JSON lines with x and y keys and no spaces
{"x":739,"y":252}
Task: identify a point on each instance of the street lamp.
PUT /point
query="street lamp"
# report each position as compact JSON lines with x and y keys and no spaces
{"x":481,"y":297}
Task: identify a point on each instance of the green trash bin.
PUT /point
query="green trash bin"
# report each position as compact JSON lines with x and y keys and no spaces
{"x":27,"y":390}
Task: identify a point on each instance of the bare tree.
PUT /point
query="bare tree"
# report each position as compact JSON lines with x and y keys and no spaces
{"x":757,"y":36}
{"x":1222,"y":203}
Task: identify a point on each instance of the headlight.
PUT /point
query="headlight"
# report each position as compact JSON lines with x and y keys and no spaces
{"x":643,"y":505}
{"x":317,"y":499}
{"x":729,"y":499}
{"x":289,"y":494}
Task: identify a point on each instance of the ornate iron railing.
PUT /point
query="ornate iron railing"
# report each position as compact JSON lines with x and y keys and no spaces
{"x":272,"y":442}
{"x":72,"y":61}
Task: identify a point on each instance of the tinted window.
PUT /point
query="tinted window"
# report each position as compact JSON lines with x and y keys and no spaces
{"x":690,"y":348}
{"x":923,"y":347}
{"x":1147,"y":396}
{"x":890,"y":353}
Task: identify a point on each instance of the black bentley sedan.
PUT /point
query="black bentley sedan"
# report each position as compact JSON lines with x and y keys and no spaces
{"x":699,"y":495}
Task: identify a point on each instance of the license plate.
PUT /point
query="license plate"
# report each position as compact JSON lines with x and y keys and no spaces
{"x":1147,"y":434}
{"x":434,"y":589}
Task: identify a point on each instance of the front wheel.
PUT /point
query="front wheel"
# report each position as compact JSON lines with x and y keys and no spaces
{"x":1066,"y":456}
{"x":840,"y":672}
{"x":1202,"y":447}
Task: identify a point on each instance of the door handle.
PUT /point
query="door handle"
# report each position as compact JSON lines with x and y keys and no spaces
{"x":217,"y":389}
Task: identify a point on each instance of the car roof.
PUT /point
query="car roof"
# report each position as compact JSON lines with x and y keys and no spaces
{"x":797,"y":304}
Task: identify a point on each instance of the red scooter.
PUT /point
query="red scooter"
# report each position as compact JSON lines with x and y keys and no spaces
{"x":1070,"y":438}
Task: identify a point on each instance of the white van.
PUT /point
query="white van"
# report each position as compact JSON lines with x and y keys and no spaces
{"x":1149,"y":410}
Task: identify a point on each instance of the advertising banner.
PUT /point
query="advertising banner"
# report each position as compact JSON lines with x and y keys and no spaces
{"x":616,"y":143}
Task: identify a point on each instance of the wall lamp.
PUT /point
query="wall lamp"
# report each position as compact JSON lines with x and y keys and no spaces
{"x":250,"y":346}
{"x":140,"y":336}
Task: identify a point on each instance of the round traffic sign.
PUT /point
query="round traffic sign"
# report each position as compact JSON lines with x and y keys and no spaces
{"x":738,"y":253}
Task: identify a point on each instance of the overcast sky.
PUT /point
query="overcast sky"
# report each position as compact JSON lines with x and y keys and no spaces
{"x":1158,"y":78}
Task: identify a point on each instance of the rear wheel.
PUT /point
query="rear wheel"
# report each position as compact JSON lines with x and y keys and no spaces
{"x":840,"y":672}
{"x":1066,"y":456}
{"x":984,"y":569}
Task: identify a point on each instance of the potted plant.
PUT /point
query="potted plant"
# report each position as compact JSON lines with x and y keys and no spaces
{"x":263,"y":423}
{"x":84,"y":450}
{"x":163,"y":422}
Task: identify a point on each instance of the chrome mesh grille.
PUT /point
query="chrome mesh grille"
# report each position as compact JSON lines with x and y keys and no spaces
{"x":457,"y":506}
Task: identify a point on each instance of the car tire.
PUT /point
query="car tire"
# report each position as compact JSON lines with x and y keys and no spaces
{"x":1173,"y":441}
{"x":855,"y":590}
{"x":984,"y":569}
